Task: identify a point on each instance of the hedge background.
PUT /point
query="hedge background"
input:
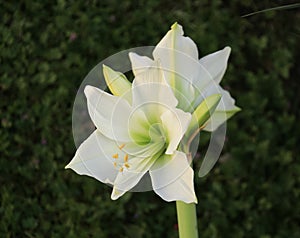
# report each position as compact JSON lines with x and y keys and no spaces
{"x":47,"y":47}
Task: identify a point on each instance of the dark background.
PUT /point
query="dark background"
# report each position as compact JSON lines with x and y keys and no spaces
{"x":47,"y":48}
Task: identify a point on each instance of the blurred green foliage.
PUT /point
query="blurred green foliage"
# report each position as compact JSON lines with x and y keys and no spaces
{"x":47,"y":47}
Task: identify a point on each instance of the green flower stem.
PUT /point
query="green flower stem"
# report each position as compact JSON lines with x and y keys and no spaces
{"x":187,"y":219}
{"x":186,"y":212}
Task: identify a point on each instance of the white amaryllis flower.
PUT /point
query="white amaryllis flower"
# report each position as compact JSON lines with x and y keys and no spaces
{"x":138,"y":130}
{"x":191,"y":79}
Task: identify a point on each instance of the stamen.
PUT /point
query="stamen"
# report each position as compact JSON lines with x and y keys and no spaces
{"x":115,"y":156}
{"x":121,"y":146}
{"x":126,"y":158}
{"x":115,"y":164}
{"x":121,"y":169}
{"x":127,"y":165}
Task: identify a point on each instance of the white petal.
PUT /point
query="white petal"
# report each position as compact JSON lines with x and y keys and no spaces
{"x":179,"y":59}
{"x":175,"y":123}
{"x":208,"y":76}
{"x":176,"y":65}
{"x":151,"y":87}
{"x":128,"y":178}
{"x":226,"y":103}
{"x":174,"y":39}
{"x":173,"y":178}
{"x":94,"y":158}
{"x":109,"y":113}
{"x":216,"y":63}
{"x":144,"y":151}
{"x":140,"y":63}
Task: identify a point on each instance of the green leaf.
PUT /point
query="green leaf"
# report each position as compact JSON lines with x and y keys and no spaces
{"x":117,"y":83}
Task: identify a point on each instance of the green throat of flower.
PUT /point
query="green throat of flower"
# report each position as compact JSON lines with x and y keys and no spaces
{"x":149,"y":140}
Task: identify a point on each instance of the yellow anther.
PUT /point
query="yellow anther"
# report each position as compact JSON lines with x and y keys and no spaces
{"x":121,"y":169}
{"x":121,"y":146}
{"x":126,"y":158}
{"x":115,"y":156}
{"x":126,"y":165}
{"x":115,"y":164}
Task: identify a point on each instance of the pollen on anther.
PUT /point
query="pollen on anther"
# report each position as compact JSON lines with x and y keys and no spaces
{"x":126,"y":158}
{"x":127,"y":165}
{"x":115,"y":156}
{"x":121,"y":169}
{"x":115,"y":164}
{"x":121,"y":146}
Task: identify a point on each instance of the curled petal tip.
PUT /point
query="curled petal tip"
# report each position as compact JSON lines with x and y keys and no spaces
{"x":227,"y":49}
{"x":237,"y":109}
{"x":88,"y":89}
{"x":113,"y":197}
{"x":131,"y":54}
{"x":115,"y":194}
{"x":105,"y":67}
{"x":177,"y":28}
{"x":174,"y":25}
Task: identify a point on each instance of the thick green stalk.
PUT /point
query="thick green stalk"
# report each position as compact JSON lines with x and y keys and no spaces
{"x":187,"y":220}
{"x":186,"y":212}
